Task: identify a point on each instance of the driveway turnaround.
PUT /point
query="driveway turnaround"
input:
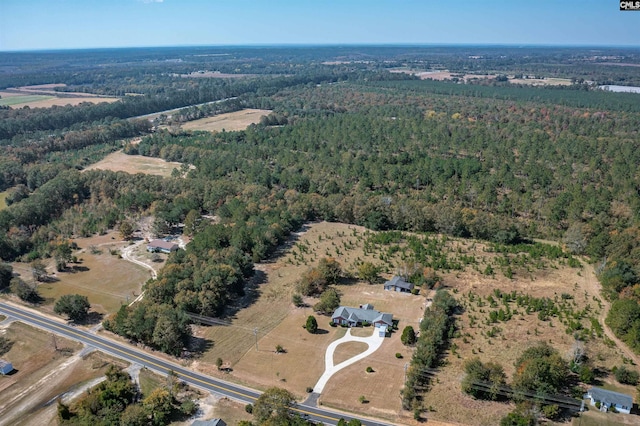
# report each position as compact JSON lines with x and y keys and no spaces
{"x":374,"y":341}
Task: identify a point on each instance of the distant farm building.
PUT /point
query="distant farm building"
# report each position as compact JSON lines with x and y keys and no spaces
{"x":161,"y":246}
{"x":212,"y":422}
{"x":398,"y":284}
{"x":5,"y":367}
{"x":608,"y":399}
{"x":353,"y":317}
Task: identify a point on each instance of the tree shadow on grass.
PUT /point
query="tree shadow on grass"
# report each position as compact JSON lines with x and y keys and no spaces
{"x":92,"y":318}
{"x":199,"y":345}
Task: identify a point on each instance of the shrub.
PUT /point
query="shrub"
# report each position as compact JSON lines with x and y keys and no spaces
{"x":369,"y":370}
{"x":309,"y":389}
{"x":312,"y":324}
{"x":248,"y":408}
{"x":363,"y":399}
{"x":626,"y":376}
{"x":398,"y":355}
{"x":408,"y":336}
{"x":297,"y":300}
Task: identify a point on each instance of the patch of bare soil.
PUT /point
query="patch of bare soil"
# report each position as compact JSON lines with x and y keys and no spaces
{"x":121,"y":162}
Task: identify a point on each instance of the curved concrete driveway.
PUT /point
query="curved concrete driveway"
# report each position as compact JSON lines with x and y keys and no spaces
{"x":374,"y":341}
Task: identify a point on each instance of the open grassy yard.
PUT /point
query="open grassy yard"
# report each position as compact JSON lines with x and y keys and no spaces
{"x":238,"y":120}
{"x":121,"y":162}
{"x":106,"y":279}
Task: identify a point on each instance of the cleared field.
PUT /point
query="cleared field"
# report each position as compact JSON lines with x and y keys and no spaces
{"x":238,"y":120}
{"x":121,"y":162}
{"x":22,"y":100}
{"x":107,"y":280}
{"x":3,"y":197}
{"x":36,"y":99}
{"x":542,"y":81}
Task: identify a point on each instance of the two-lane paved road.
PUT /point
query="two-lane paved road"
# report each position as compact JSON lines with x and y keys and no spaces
{"x":152,"y":362}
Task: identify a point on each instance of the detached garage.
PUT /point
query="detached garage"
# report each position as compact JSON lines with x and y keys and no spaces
{"x":5,"y":367}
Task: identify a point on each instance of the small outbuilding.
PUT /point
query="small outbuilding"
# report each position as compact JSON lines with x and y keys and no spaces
{"x":606,"y":400}
{"x":161,"y":246}
{"x":398,"y":284}
{"x":5,"y":367}
{"x":212,"y":422}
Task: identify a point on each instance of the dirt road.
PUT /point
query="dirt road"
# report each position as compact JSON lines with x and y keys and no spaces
{"x":595,"y":289}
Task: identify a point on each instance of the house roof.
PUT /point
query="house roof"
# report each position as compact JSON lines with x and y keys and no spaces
{"x":369,"y":315}
{"x":162,"y":244}
{"x":4,"y":363}
{"x":212,"y":422}
{"x":399,"y":282}
{"x":616,"y":398}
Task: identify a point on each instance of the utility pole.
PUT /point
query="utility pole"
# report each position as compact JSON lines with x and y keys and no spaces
{"x":255,"y":333}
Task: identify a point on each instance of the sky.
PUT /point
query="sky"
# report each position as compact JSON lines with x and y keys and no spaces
{"x":70,"y":24}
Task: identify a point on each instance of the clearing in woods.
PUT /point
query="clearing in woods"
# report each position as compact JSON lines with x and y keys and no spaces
{"x":468,"y":278}
{"x":121,"y":162}
{"x":106,"y":279}
{"x":231,"y":121}
{"x":45,"y":96}
{"x":3,"y":202}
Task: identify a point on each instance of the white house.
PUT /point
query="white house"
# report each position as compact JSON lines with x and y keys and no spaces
{"x":353,"y":317}
{"x":161,"y":246}
{"x":608,"y":399}
{"x":5,"y":367}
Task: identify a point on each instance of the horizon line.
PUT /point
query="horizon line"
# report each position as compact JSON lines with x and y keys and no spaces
{"x":316,"y":45}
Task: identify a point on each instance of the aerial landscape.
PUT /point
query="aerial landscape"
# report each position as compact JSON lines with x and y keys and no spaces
{"x":305,"y":213}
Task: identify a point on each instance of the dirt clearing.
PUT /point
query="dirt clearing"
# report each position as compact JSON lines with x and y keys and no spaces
{"x":121,"y":162}
{"x":231,"y":121}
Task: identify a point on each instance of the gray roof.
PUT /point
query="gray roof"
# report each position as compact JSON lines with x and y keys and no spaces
{"x":161,"y":244}
{"x":369,"y":314}
{"x":399,"y":282}
{"x":616,"y":398}
{"x":212,"y":422}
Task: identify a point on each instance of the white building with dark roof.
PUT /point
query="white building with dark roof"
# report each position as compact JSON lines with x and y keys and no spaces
{"x":608,"y":399}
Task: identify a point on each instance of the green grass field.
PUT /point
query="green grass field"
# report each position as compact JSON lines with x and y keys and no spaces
{"x":15,"y":100}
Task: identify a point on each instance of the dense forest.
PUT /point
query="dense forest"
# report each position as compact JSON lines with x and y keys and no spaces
{"x":347,"y":141}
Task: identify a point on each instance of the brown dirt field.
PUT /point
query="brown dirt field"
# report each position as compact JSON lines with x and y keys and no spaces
{"x":215,"y":74}
{"x":231,"y":121}
{"x":70,"y":98}
{"x":47,"y":103}
{"x":108,"y":281}
{"x":440,"y":75}
{"x":121,"y":162}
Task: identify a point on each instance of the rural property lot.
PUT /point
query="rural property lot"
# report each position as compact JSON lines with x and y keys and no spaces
{"x":42,"y":373}
{"x":121,"y":162}
{"x":279,"y":322}
{"x":106,"y":279}
{"x":238,"y":120}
